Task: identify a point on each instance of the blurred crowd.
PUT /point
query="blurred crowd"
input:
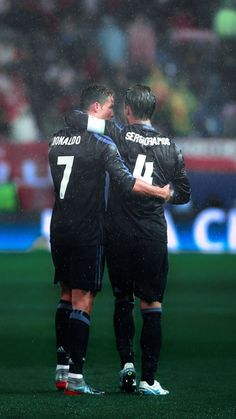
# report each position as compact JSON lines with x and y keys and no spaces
{"x":185,"y":50}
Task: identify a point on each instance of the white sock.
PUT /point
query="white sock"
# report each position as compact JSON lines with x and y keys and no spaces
{"x":62,"y":367}
{"x":77,"y":376}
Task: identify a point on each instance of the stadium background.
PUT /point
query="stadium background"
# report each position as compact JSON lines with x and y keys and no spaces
{"x":186,"y":52}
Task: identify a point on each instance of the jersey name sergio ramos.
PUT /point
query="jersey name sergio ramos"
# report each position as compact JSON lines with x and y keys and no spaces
{"x":155,"y":159}
{"x":137,"y":138}
{"x":78,"y":162}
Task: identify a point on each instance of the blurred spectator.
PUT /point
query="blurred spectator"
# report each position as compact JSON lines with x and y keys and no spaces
{"x":30,"y":176}
{"x":224,"y":21}
{"x":175,"y":103}
{"x":229,"y":119}
{"x":50,"y":49}
{"x":91,"y":7}
{"x":4,"y":6}
{"x":5,"y":172}
{"x":224,"y":24}
{"x":8,"y":190}
{"x":16,"y":109}
{"x":142,"y":46}
{"x":112,"y":42}
{"x":181,"y":19}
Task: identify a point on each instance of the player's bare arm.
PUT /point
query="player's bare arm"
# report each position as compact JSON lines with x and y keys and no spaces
{"x":145,"y":188}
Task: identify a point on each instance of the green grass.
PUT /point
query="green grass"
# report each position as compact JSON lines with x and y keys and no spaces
{"x":197,"y":363}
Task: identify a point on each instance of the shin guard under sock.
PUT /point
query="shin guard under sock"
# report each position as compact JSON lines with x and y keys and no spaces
{"x":124,"y":330}
{"x":63,"y":312}
{"x":78,"y":339}
{"x":151,"y":339}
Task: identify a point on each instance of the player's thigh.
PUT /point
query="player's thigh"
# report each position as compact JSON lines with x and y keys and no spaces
{"x":87,"y":268}
{"x":119,"y":257}
{"x":61,"y":260}
{"x":151,"y":270}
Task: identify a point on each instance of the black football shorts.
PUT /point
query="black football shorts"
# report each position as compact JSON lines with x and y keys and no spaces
{"x":138,"y":266}
{"x":79,"y":267}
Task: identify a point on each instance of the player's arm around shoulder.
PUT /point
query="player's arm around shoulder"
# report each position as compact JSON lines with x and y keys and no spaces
{"x":145,"y":188}
{"x":80,"y":120}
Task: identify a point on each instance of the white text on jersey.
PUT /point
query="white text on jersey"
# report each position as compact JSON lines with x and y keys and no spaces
{"x":136,"y":138}
{"x":66,"y":140}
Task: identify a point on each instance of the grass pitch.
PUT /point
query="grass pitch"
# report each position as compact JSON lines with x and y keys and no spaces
{"x":197,"y":365}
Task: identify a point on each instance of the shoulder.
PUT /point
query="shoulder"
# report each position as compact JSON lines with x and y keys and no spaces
{"x":63,"y":131}
{"x":105,"y":146}
{"x":104,"y":140}
{"x":59,"y":133}
{"x":119,"y":126}
{"x":164,"y":139}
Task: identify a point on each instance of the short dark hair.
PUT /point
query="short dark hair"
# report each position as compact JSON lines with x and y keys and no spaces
{"x":94,"y":93}
{"x":141,"y":100}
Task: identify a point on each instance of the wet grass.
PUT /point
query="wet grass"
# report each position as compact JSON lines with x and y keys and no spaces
{"x":197,"y":364}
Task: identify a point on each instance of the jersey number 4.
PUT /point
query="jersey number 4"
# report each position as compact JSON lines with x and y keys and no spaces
{"x":66,"y":161}
{"x":139,"y":167}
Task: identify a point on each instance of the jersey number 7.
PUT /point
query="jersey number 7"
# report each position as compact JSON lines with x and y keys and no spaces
{"x":66,"y":161}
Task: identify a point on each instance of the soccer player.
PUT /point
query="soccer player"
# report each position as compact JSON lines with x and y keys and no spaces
{"x":136,"y":249}
{"x":78,"y":161}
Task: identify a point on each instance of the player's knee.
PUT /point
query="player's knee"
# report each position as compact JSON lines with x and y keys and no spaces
{"x":83,"y":300}
{"x":145,"y":305}
{"x":66,"y":293}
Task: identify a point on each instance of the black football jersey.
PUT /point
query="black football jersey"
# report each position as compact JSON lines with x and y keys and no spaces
{"x":155,"y":159}
{"x":79,"y":161}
